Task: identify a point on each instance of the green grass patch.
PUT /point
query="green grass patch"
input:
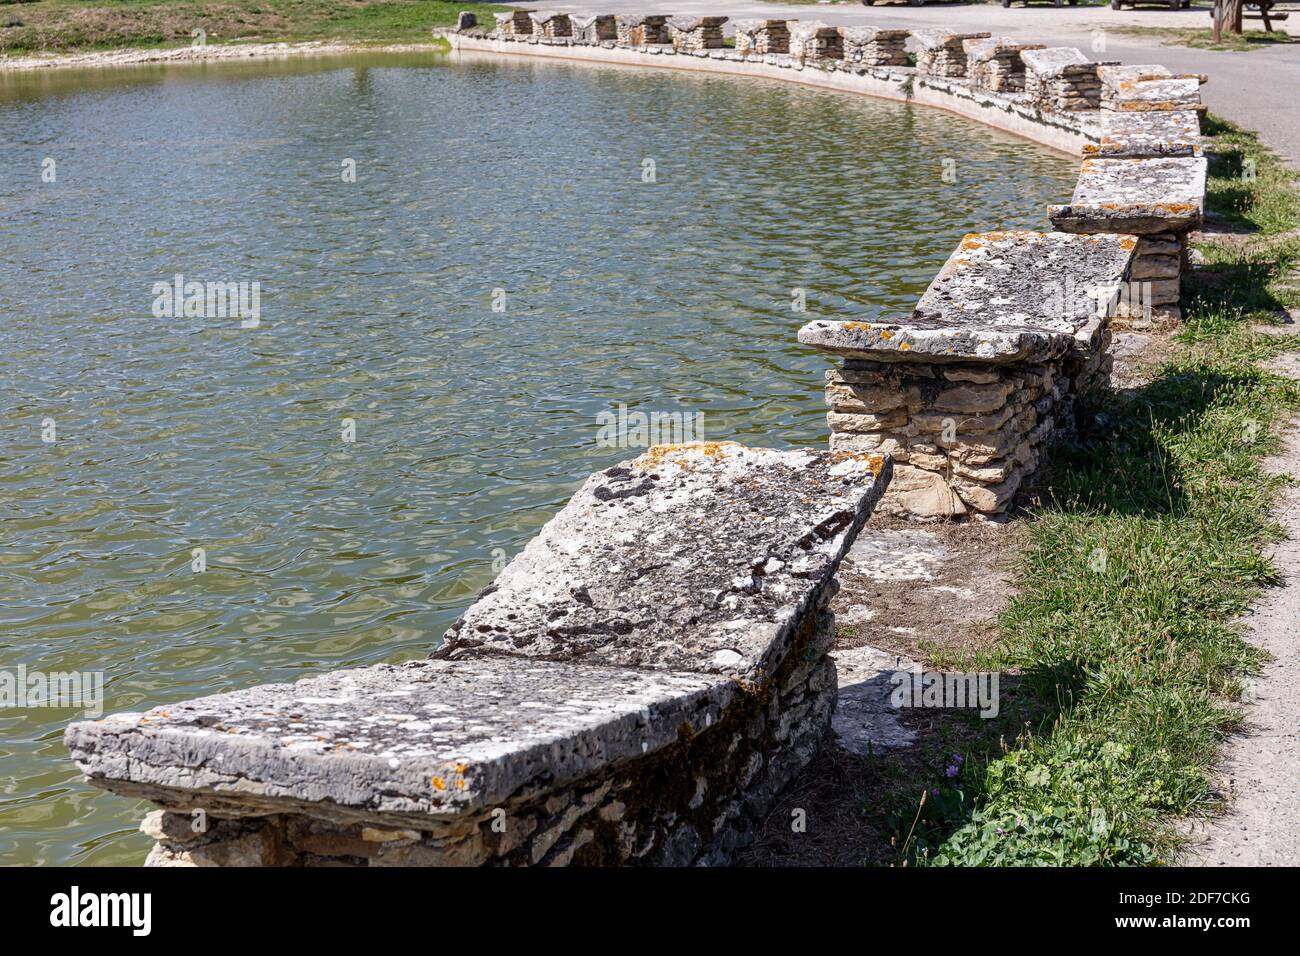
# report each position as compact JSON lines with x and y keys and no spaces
{"x":67,"y":26}
{"x":1148,"y":548}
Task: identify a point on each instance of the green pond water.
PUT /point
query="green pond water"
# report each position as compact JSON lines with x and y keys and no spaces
{"x":472,"y":426}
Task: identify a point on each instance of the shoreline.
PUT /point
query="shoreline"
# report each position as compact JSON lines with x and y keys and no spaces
{"x":136,"y":56}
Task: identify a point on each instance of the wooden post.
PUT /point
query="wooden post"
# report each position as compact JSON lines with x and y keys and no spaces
{"x":1227,"y":14}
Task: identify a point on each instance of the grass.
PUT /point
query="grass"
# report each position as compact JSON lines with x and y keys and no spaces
{"x":67,"y":26}
{"x":1147,"y":547}
{"x":1204,"y":39}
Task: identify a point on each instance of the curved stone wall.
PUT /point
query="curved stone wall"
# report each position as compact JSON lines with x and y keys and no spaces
{"x":642,"y":680}
{"x":1010,"y":341}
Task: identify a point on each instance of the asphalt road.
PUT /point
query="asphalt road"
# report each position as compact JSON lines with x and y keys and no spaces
{"x":1259,"y":89}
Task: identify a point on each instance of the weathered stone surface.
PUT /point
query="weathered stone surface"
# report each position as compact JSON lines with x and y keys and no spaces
{"x":1156,"y":95}
{"x":1128,"y":135}
{"x":995,"y":64}
{"x":551,"y":24}
{"x":421,"y":738}
{"x":594,"y":29}
{"x":909,"y":341}
{"x":1136,"y":196}
{"x":695,"y":558}
{"x":872,"y":47}
{"x":1054,"y":61}
{"x":942,"y":54}
{"x":814,"y":40}
{"x":762,"y":37}
{"x":1061,"y":79}
{"x":694,"y":34}
{"x":1001,"y":297}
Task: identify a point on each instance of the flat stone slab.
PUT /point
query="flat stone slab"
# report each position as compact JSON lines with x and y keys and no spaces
{"x":937,"y":39}
{"x":688,"y":24}
{"x":1139,"y":196}
{"x":1166,"y":93}
{"x":1170,"y":133}
{"x":1055,"y":61}
{"x":981,"y":51}
{"x":422,"y":738}
{"x":993,"y":302}
{"x":864,"y":34}
{"x":689,"y":558}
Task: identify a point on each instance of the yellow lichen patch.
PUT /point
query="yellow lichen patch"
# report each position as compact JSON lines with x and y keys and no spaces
{"x":1128,"y":243}
{"x":680,"y":454}
{"x":904,"y":346}
{"x":439,"y":783}
{"x":876,"y":463}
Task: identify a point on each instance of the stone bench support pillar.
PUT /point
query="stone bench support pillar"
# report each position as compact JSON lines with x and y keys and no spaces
{"x":965,"y":395}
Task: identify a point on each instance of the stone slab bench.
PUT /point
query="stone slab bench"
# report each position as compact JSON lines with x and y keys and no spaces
{"x":1061,"y":79}
{"x":690,"y":34}
{"x":996,"y":64}
{"x":1151,"y":135}
{"x":813,"y":40}
{"x":874,"y":47}
{"x":636,"y":686}
{"x":941,"y":53}
{"x":1135,"y":196}
{"x":1160,"y":199}
{"x":1007,"y":340}
{"x":761,"y":37}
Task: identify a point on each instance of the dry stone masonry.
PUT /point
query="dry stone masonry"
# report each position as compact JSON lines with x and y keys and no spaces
{"x":1145,"y":177}
{"x":515,"y":23}
{"x":690,"y":34}
{"x":637,"y":31}
{"x":601,"y":28}
{"x":1061,"y":79}
{"x":868,"y":46}
{"x":996,"y":64}
{"x":642,"y":680}
{"x":635,"y":687}
{"x":761,"y":37}
{"x":942,"y":54}
{"x":551,"y":25}
{"x":814,"y":41}
{"x":1002,"y":348}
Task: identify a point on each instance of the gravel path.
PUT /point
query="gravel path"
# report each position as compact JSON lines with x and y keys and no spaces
{"x":1261,"y":765}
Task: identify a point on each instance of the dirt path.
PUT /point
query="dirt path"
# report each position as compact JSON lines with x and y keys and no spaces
{"x":1261,"y":765}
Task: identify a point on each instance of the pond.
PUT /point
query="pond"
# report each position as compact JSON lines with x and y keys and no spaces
{"x":460,"y":269}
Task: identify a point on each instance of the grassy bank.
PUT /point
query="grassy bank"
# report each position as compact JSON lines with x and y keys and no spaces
{"x":67,"y":26}
{"x":1146,"y":549}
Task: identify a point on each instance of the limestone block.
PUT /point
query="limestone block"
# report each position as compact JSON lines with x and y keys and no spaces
{"x":1135,"y":196}
{"x":1130,"y":135}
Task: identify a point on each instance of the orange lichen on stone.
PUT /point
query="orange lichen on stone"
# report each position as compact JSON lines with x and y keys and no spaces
{"x":874,"y":462}
{"x":659,"y":454}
